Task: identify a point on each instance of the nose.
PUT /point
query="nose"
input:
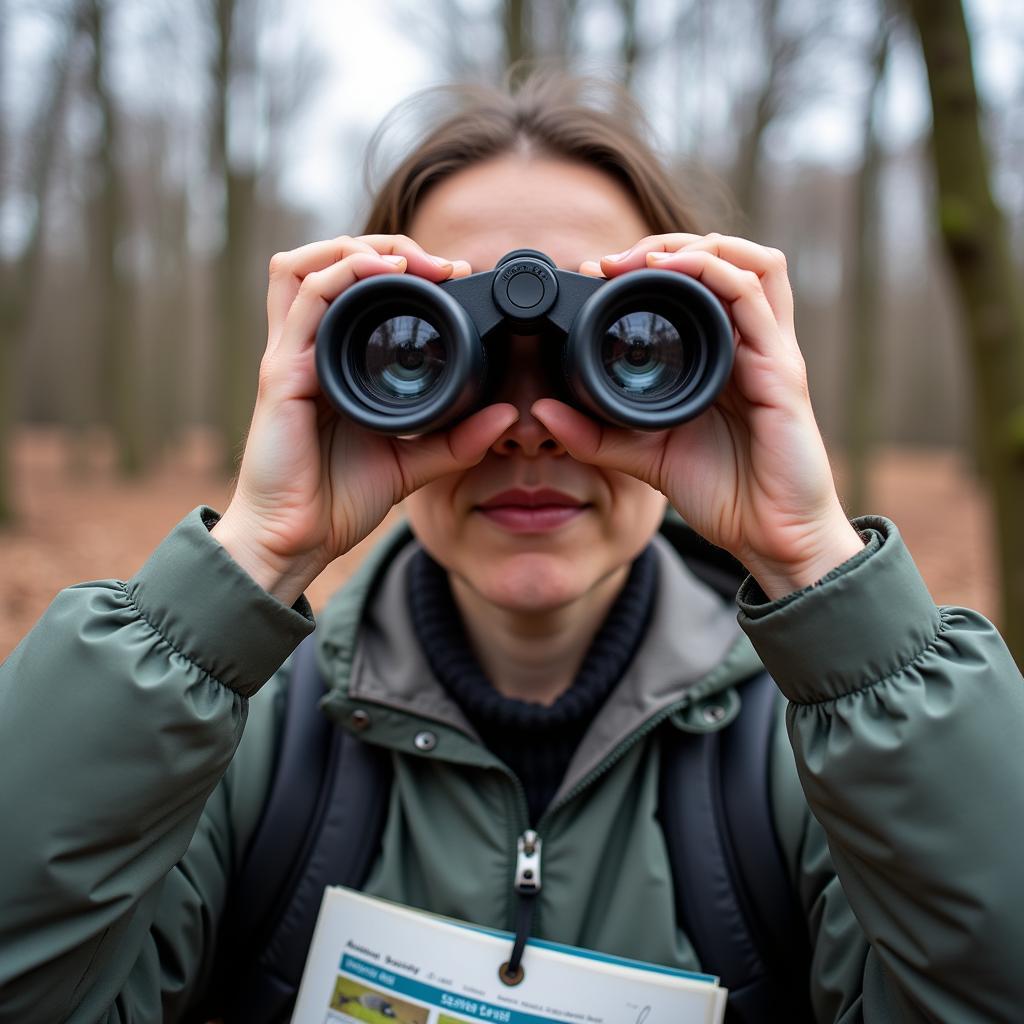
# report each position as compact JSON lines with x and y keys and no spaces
{"x":523,"y":381}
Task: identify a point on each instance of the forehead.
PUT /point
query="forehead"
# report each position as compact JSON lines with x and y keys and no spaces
{"x":571,"y":211}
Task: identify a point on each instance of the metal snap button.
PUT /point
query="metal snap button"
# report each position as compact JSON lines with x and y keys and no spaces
{"x":713,"y":713}
{"x":359,"y":720}
{"x":425,"y":740}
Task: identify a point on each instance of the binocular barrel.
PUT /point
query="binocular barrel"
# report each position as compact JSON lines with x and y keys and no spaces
{"x":647,"y":350}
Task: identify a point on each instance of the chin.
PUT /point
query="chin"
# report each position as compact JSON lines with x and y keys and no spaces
{"x":531,"y":581}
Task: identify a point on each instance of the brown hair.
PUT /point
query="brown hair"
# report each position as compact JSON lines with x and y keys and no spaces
{"x":551,"y":114}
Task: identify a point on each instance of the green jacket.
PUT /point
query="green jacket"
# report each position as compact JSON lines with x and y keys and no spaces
{"x":128,"y":791}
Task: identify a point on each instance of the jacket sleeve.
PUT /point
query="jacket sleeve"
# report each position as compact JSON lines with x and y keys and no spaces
{"x":905,"y":721}
{"x":119,"y":715}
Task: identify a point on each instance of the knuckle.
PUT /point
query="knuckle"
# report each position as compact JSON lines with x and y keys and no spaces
{"x":308,"y":284}
{"x":777,"y":260}
{"x":280,"y":264}
{"x":750,"y":280}
{"x":312,"y":282}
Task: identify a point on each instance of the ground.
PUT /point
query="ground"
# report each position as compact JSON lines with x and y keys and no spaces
{"x":81,"y":524}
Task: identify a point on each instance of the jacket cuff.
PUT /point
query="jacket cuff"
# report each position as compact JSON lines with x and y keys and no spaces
{"x":865,"y":620}
{"x":195,"y":595}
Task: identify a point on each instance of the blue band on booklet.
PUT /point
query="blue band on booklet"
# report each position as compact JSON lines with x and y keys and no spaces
{"x":438,"y":997}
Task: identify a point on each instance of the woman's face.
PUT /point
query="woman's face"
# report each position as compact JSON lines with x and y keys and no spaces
{"x":530,"y":528}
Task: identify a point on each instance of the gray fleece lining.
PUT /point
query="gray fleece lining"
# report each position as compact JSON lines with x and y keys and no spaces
{"x":691,"y":631}
{"x":389,"y":666}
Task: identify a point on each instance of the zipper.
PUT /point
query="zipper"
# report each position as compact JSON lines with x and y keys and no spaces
{"x":528,"y":879}
{"x":527,"y":885}
{"x":528,"y":849}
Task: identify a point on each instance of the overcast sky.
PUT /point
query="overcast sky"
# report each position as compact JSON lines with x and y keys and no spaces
{"x":371,"y":61}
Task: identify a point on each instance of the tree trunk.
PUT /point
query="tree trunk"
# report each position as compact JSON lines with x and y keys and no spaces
{"x":119,"y":379}
{"x":18,"y":277}
{"x":236,"y":378}
{"x":629,"y":46}
{"x":240,"y":370}
{"x":563,"y":37}
{"x":976,"y":239}
{"x":9,"y":331}
{"x":173,"y":303}
{"x":518,"y":31}
{"x":6,"y":339}
{"x":747,"y":169}
{"x":862,"y":385}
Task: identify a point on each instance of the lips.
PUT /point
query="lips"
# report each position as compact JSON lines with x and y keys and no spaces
{"x":521,"y":498}
{"x":531,"y":511}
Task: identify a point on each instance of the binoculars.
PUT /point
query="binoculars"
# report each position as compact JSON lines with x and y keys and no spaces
{"x":402,"y":356}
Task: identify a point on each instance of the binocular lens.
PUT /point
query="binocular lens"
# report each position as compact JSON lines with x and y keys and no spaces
{"x":404,"y":359}
{"x":645,"y":357}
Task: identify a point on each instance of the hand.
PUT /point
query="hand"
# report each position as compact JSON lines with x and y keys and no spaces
{"x":751,"y":473}
{"x":312,"y":484}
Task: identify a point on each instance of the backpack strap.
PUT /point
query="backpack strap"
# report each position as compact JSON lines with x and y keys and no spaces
{"x":321,"y":825}
{"x":733,"y":894}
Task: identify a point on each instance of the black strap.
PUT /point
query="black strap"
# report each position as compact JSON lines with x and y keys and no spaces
{"x":776,"y":917}
{"x":276,"y":851}
{"x":321,"y":826}
{"x":510,"y":970}
{"x":733,"y":894}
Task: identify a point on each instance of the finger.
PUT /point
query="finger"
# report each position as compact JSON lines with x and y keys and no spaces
{"x":769,"y":264}
{"x":420,"y":262}
{"x":635,"y":452}
{"x":739,"y":290}
{"x":319,"y":289}
{"x":287,"y":269}
{"x":634,"y":258}
{"x":423,"y":459}
{"x":591,"y":268}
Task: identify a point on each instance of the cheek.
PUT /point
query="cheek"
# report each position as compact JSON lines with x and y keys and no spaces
{"x":431,"y":514}
{"x":634,"y":515}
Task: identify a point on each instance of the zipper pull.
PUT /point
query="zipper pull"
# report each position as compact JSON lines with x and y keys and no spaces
{"x":528,"y":848}
{"x":527,"y":884}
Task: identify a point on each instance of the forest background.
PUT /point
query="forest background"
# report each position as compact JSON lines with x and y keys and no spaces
{"x":155,"y":154}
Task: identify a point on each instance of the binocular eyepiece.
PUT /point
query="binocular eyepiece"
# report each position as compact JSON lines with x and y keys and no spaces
{"x":647,"y":350}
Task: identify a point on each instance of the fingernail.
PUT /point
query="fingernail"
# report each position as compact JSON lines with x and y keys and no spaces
{"x":618,"y":256}
{"x":398,"y":261}
{"x":441,"y":261}
{"x":659,"y":257}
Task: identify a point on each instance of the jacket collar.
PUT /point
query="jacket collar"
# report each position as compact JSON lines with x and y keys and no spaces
{"x":693,"y":648}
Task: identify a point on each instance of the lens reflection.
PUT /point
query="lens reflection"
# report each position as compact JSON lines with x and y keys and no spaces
{"x":404,"y":359}
{"x":644,"y":356}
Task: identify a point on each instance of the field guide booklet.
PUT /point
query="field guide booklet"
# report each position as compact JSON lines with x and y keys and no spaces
{"x":371,"y":960}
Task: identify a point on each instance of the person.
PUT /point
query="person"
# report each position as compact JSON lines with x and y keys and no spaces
{"x":531,"y":619}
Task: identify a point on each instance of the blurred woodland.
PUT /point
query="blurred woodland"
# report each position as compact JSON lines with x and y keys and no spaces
{"x":146,"y":149}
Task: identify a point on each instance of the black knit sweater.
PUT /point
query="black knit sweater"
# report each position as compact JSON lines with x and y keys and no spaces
{"x":535,"y":740}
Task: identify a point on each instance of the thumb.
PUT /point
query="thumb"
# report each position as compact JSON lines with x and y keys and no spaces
{"x":635,"y":452}
{"x":426,"y":458}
